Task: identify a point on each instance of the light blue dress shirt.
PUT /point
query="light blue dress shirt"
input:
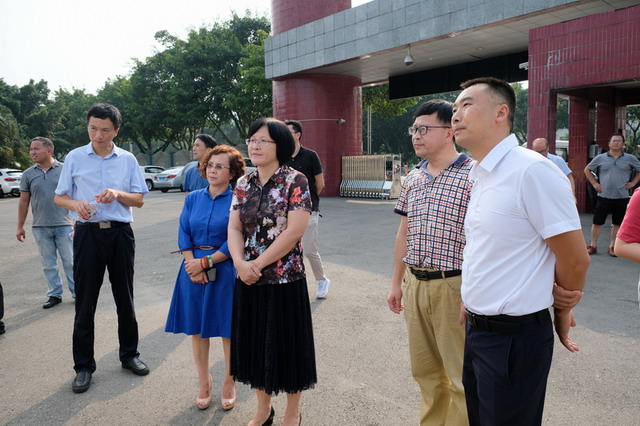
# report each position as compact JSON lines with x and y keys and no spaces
{"x":85,"y":174}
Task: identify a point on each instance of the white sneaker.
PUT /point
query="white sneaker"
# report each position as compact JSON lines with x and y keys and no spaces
{"x":323,"y":288}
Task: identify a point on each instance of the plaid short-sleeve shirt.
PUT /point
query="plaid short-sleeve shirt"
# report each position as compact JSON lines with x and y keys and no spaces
{"x":435,"y":209}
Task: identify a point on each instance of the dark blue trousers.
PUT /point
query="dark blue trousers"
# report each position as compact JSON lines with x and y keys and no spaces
{"x":505,"y":375}
{"x":95,"y":250}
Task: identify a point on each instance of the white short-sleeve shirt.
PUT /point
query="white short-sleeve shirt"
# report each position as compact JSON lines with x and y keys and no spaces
{"x":518,"y":200}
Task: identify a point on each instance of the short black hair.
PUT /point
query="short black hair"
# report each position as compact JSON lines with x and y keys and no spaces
{"x":297,"y":126}
{"x":105,"y":111}
{"x":499,"y":88}
{"x":617,"y":134}
{"x":281,"y":135}
{"x":208,"y":140}
{"x":443,"y":110}
{"x":45,"y":141}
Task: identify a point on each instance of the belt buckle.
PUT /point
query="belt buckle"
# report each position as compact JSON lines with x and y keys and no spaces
{"x":471,"y":319}
{"x":104,"y":225}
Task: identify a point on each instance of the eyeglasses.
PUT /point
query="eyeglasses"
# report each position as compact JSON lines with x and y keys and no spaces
{"x":422,"y":130}
{"x":217,"y":166}
{"x":261,"y":142}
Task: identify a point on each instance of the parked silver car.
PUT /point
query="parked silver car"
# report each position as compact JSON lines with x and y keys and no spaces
{"x":10,"y":182}
{"x":149,"y":172}
{"x":170,"y":179}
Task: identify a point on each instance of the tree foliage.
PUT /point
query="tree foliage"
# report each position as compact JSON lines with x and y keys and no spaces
{"x":633,"y":129}
{"x":212,"y":80}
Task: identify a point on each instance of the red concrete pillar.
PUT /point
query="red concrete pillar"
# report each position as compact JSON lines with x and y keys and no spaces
{"x":330,"y":110}
{"x":579,"y":141}
{"x":319,"y":101}
{"x":605,"y":123}
{"x":542,"y":114}
{"x":288,"y":14}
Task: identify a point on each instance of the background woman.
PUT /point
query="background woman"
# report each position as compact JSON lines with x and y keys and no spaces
{"x":201,"y":305}
{"x":272,"y":343}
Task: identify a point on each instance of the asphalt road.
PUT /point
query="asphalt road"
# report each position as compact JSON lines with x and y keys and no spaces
{"x":361,"y":347}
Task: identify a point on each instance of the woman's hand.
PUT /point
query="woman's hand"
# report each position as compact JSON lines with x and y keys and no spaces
{"x":195,"y":271}
{"x":200,"y":278}
{"x":248,"y":272}
{"x":193,"y":267}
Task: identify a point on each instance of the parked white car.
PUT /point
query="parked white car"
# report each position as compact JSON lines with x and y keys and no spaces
{"x":170,"y":179}
{"x":149,"y":172}
{"x":10,"y":182}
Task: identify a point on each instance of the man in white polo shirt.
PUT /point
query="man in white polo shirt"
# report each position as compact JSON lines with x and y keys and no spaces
{"x":523,"y":234}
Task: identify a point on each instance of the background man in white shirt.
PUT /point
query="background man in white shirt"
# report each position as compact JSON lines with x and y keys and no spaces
{"x":523,"y":234}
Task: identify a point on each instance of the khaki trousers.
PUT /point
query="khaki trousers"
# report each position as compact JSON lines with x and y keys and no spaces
{"x":436,"y":347}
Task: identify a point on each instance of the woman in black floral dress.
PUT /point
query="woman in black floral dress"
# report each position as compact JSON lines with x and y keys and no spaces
{"x":272,"y":337}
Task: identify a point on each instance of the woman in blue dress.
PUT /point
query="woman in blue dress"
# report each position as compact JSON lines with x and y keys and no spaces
{"x":202,"y":304}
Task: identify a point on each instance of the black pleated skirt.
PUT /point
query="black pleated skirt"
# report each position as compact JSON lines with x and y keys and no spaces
{"x":272,"y":337}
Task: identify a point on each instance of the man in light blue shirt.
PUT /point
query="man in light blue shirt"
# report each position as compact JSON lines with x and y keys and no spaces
{"x":51,"y":225}
{"x":541,"y":146}
{"x":99,"y":184}
{"x":192,"y":178}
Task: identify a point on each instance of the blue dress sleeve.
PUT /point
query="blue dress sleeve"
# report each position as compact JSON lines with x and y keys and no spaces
{"x":184,"y":228}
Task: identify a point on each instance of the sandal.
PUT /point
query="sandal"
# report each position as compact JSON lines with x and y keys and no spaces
{"x":228,"y":403}
{"x":204,"y":403}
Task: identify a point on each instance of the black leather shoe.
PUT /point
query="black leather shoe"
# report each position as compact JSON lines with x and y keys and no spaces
{"x":82,"y":381}
{"x":138,"y":367}
{"x":1,"y":327}
{"x":53,"y":301}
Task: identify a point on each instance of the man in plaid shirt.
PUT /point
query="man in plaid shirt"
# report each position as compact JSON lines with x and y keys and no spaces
{"x":427,"y":264}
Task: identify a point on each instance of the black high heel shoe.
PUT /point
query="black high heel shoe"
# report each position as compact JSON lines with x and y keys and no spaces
{"x":269,"y":421}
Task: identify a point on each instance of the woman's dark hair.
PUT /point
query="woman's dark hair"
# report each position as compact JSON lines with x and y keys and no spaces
{"x":281,"y":135}
{"x":236,"y":162}
{"x":106,"y":111}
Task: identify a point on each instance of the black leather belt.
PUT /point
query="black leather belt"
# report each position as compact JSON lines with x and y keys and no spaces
{"x":505,"y":324}
{"x":102,"y":225}
{"x":434,"y":275}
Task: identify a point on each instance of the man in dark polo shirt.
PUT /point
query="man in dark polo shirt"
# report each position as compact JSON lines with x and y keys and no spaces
{"x":51,"y":223}
{"x":614,"y":170}
{"x":307,"y":162}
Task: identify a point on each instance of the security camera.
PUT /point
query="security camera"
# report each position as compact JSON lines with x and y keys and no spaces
{"x":408,"y":60}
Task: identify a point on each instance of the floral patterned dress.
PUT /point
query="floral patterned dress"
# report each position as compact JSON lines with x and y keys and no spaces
{"x":272,"y":345}
{"x":264,"y":213}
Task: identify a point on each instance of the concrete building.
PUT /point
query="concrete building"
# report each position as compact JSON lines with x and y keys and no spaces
{"x":323,"y":51}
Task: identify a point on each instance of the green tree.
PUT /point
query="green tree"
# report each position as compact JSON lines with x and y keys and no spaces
{"x":207,"y":80}
{"x":522,"y":107}
{"x":633,"y":129}
{"x":13,"y":152}
{"x":72,"y":109}
{"x":251,"y":97}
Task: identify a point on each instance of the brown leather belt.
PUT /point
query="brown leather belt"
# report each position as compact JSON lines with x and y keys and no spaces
{"x":195,"y":247}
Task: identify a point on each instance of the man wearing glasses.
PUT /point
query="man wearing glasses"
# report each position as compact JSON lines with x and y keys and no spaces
{"x":307,"y":162}
{"x":428,"y":261}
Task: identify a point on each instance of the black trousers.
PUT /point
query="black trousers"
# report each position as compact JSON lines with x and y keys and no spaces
{"x":95,"y":250}
{"x":505,"y":375}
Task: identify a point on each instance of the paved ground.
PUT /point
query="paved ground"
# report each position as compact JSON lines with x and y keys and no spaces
{"x":361,"y":347}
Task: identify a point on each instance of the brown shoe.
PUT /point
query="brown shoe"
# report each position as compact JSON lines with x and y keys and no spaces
{"x":611,"y":252}
{"x":592,"y":249}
